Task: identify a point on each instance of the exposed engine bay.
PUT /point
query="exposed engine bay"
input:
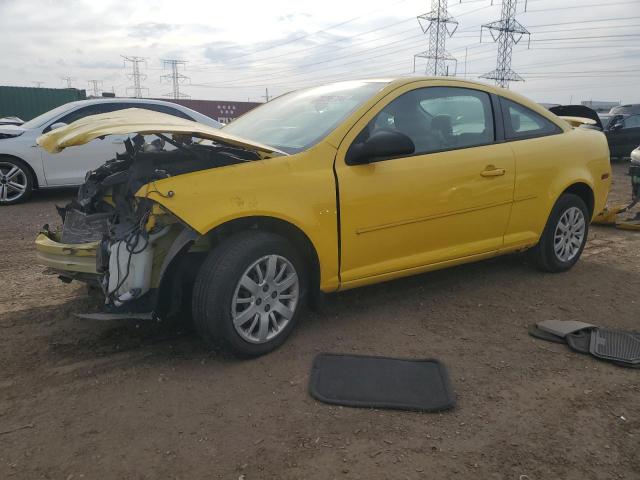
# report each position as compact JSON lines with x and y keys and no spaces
{"x":135,"y":234}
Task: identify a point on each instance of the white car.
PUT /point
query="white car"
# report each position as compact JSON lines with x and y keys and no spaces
{"x":635,"y":155}
{"x":24,"y":166}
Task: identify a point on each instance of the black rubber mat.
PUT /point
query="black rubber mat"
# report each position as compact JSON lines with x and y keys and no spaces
{"x":579,"y":341}
{"x":615,"y":345}
{"x":535,"y":332}
{"x":380,"y":382}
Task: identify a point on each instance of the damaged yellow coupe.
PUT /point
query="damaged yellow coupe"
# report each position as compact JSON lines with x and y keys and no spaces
{"x":320,"y":190}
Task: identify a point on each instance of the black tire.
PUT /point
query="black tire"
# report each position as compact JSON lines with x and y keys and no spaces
{"x":216,"y":284}
{"x":24,"y":174}
{"x":543,"y":254}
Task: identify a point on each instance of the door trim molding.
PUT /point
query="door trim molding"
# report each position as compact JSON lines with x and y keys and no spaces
{"x":400,"y":223}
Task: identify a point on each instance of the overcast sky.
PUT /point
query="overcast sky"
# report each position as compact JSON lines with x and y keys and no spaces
{"x":579,"y":50}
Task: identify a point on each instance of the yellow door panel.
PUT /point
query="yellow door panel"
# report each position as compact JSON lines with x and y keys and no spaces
{"x":407,"y":212}
{"x":427,"y":208}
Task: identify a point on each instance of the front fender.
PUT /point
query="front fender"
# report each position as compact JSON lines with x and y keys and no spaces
{"x":298,"y":189}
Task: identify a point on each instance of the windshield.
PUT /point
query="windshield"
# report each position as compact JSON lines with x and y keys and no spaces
{"x":296,"y":121}
{"x":46,"y":116}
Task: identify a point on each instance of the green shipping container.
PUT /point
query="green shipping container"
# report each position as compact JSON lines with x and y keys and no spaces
{"x":29,"y":102}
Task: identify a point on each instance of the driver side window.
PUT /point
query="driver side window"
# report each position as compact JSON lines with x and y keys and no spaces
{"x":438,"y":119}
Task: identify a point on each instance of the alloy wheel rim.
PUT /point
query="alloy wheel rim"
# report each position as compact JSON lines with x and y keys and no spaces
{"x":569,"y":234}
{"x":13,"y":182}
{"x":265,"y":299}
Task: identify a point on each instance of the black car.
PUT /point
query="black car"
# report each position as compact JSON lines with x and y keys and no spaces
{"x":623,"y":134}
{"x":621,"y":125}
{"x":630,"y":109}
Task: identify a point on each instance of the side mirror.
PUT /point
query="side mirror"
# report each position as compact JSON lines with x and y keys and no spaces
{"x":57,"y":125}
{"x":379,"y":146}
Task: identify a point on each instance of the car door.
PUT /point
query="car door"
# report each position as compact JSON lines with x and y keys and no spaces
{"x":615,"y":135}
{"x":450,"y":199}
{"x":70,"y":166}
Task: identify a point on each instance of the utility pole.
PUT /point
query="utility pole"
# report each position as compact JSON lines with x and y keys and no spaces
{"x":95,"y":87}
{"x":135,"y":75}
{"x":175,"y":77}
{"x":266,"y":95}
{"x":507,"y":32}
{"x":68,"y":81}
{"x":439,"y":25}
{"x":38,"y":84}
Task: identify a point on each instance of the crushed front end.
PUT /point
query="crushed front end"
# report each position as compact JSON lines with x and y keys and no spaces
{"x":126,"y":244}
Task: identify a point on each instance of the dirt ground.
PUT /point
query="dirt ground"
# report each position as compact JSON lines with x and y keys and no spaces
{"x":94,"y":400}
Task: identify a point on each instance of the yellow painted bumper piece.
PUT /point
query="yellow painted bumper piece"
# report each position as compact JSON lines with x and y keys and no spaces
{"x":79,"y":258}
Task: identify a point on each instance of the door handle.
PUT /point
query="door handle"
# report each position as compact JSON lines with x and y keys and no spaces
{"x":492,"y":171}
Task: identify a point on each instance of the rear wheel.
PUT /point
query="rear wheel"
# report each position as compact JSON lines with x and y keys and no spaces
{"x":16,"y":182}
{"x":564,"y":236}
{"x":248,"y":293}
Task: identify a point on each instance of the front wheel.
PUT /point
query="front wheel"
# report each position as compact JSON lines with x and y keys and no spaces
{"x":248,"y":293}
{"x":16,"y":183}
{"x":564,"y":236}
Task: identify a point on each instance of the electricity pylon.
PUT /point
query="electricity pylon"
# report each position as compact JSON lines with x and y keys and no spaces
{"x":439,"y":25}
{"x":175,"y":77}
{"x":135,"y":75}
{"x":95,"y":87}
{"x":507,"y":32}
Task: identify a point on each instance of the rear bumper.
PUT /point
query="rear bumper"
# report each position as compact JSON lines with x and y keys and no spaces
{"x":73,"y":259}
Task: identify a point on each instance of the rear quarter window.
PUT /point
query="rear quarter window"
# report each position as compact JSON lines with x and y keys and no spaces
{"x":521,"y":122}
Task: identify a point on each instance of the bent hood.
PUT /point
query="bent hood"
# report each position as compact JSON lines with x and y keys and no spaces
{"x":138,"y":120}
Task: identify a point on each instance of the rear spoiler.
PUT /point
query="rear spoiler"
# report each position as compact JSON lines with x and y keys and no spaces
{"x":577,"y":121}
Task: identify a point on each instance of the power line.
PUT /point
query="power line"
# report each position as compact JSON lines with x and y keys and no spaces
{"x":585,"y":21}
{"x":439,"y":25}
{"x":509,"y":32}
{"x":175,"y":77}
{"x":321,"y":45}
{"x":135,"y":75}
{"x":583,"y":6}
{"x":278,"y":73}
{"x":325,"y":44}
{"x":325,"y":30}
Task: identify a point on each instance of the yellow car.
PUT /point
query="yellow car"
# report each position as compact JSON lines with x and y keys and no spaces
{"x":319,"y":190}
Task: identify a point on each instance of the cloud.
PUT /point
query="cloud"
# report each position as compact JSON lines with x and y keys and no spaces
{"x":235,"y":52}
{"x":150,"y":29}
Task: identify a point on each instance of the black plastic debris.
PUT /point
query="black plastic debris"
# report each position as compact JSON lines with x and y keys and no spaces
{"x":619,"y":347}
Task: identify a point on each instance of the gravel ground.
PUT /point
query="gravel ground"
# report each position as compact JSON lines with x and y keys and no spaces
{"x":82,"y":399}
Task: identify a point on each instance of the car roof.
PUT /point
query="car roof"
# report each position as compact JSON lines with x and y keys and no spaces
{"x":199,"y":117}
{"x":93,"y":101}
{"x":630,"y":109}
